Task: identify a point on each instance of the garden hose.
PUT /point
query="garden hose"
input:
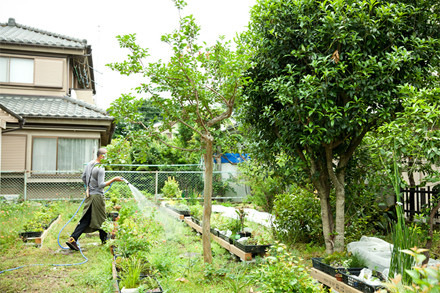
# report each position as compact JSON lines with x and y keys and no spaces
{"x":59,"y":244}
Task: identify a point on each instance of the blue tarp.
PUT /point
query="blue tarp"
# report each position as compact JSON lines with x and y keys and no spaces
{"x":234,"y":158}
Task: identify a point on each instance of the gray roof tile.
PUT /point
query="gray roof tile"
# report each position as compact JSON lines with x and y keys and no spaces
{"x":52,"y":107}
{"x":14,"y":33}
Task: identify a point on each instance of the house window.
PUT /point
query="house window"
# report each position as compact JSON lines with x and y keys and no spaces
{"x":16,"y":70}
{"x":51,"y":155}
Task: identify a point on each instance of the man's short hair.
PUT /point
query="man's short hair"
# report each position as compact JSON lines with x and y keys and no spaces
{"x":101,"y":151}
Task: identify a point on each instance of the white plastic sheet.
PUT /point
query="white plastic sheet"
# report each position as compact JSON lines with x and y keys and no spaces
{"x":377,"y":253}
{"x":261,"y":218}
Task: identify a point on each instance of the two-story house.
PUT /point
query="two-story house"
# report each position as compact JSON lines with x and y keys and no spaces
{"x":49,"y":125}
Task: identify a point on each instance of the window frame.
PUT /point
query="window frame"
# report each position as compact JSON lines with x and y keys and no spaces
{"x":8,"y":70}
{"x":57,"y":138}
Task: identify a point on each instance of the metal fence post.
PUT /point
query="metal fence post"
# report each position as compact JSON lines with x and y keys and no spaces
{"x":157,"y":183}
{"x":25,"y":186}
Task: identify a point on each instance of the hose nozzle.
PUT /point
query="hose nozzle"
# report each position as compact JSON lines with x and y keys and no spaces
{"x":125,"y":180}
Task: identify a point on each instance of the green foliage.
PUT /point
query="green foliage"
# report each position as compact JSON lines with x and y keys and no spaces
{"x":204,"y":83}
{"x":131,"y":270}
{"x":119,"y":191}
{"x":196,"y":210}
{"x":423,"y":278}
{"x":325,"y":73}
{"x":108,"y":225}
{"x":171,"y":189}
{"x":42,"y":218}
{"x":414,"y":134}
{"x":282,"y":272}
{"x":241,"y":217}
{"x":345,"y":260}
{"x":298,"y":217}
{"x":237,"y":280}
{"x":199,"y":87}
{"x":219,"y":185}
{"x":263,"y":182}
{"x":135,"y":230}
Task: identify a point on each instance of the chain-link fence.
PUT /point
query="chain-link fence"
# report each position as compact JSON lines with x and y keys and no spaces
{"x":68,"y":185}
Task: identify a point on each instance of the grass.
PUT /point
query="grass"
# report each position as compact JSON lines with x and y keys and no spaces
{"x":176,"y":254}
{"x":94,"y":276}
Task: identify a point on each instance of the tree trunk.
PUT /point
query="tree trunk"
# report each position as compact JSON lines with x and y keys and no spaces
{"x":207,"y":204}
{"x":320,"y":180}
{"x":327,"y":219}
{"x":340,"y":217}
{"x":430,"y":232}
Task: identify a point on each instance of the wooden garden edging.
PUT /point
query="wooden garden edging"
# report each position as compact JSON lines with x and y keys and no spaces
{"x":223,"y":243}
{"x":331,"y":282}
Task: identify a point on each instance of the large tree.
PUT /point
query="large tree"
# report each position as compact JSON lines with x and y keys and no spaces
{"x":324,"y":74}
{"x":198,"y":87}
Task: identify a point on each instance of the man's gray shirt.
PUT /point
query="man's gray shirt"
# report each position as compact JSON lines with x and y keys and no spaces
{"x":93,"y":177}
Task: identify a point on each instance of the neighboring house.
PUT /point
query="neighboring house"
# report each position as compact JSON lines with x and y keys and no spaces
{"x":48,"y":121}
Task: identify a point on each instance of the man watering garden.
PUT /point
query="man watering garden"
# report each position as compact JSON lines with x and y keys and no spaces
{"x":94,"y":207}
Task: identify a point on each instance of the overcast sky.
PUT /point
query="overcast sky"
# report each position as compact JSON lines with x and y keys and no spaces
{"x":99,"y":22}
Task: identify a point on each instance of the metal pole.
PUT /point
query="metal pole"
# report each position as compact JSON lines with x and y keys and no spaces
{"x":157,"y":183}
{"x":25,"y":186}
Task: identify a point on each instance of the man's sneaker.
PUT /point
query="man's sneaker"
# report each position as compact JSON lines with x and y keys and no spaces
{"x":72,"y":244}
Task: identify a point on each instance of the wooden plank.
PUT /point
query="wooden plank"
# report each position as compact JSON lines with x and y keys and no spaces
{"x":115,"y":277}
{"x":223,"y":243}
{"x":193,"y":225}
{"x":240,"y":253}
{"x":332,"y":282}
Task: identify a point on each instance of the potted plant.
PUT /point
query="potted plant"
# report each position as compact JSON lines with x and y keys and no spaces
{"x":241,"y":218}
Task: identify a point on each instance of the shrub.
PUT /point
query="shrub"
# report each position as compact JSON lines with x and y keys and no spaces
{"x":264,"y":184}
{"x":282,"y":272}
{"x":171,"y":188}
{"x":298,"y":217}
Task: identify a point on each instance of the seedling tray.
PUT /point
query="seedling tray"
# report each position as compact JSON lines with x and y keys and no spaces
{"x":257,"y":249}
{"x":358,"y":284}
{"x":332,"y":271}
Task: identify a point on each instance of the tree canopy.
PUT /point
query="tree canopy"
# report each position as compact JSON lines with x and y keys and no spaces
{"x":325,"y":73}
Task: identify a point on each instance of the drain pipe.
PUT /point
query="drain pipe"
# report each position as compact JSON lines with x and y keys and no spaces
{"x":21,"y":120}
{"x":20,"y":126}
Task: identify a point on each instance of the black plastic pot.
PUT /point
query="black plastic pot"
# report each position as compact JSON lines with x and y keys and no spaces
{"x":113,"y":215}
{"x":226,"y":238}
{"x":214,"y":231}
{"x":244,"y":234}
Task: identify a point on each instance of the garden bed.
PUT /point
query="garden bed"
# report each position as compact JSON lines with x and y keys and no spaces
{"x":37,"y":238}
